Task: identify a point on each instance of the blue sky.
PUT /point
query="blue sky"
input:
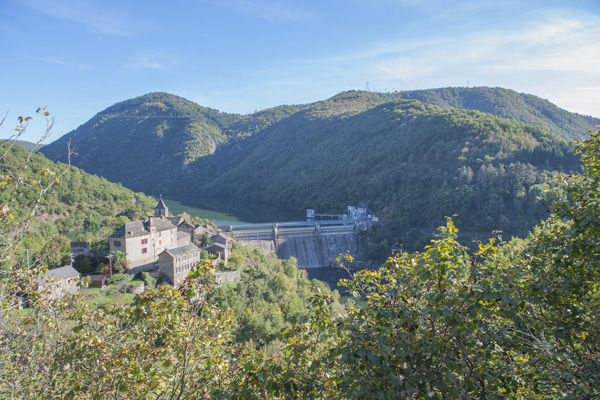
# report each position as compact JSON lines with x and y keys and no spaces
{"x":78,"y":57}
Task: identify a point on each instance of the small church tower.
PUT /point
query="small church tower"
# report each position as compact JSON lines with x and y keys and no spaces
{"x":161,"y":210}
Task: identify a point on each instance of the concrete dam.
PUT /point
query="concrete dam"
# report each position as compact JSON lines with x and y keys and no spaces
{"x":313,"y":243}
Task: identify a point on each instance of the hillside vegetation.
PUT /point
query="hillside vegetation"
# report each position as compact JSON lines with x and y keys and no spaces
{"x":143,"y":141}
{"x":415,"y":157}
{"x":514,"y":319}
{"x":77,"y":204}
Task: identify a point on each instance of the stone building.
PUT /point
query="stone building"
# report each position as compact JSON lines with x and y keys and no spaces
{"x":144,"y":240}
{"x":176,"y":263}
{"x":59,"y":281}
{"x":183,"y":226}
{"x":220,"y":245}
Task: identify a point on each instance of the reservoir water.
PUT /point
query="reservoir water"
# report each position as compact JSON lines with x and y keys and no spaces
{"x":231,"y":212}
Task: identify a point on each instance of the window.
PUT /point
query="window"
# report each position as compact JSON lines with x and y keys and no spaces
{"x":144,"y":250}
{"x":117,"y":243}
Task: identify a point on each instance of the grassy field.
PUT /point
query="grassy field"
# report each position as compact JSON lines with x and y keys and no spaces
{"x":114,"y":295}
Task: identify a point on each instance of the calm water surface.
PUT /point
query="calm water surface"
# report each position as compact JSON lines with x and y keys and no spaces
{"x":231,"y":212}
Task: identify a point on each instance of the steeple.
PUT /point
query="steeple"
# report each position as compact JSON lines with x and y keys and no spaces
{"x":161,"y":209}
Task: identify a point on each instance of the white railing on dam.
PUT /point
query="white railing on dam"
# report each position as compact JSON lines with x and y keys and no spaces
{"x":337,"y":230}
{"x":270,"y":225}
{"x":272,"y":232}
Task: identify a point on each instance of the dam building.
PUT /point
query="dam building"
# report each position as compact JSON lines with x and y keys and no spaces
{"x":316,"y":242}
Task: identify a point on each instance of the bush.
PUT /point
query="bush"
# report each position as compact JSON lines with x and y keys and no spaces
{"x":118,"y":278}
{"x":149,"y":282}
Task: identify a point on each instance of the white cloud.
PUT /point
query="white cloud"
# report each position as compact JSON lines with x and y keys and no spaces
{"x":557,"y":59}
{"x":95,"y":17}
{"x":61,"y":61}
{"x":149,"y":60}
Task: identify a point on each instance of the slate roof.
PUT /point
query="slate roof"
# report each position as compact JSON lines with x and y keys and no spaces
{"x":176,"y":220}
{"x":65,"y":272}
{"x":161,"y":205}
{"x":224,"y":236}
{"x":216,"y":244}
{"x":182,"y":235}
{"x":182,"y":250}
{"x":142,"y":228}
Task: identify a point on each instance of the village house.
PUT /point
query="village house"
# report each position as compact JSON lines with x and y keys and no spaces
{"x":166,"y":243}
{"x":183,"y":227}
{"x":220,"y":245}
{"x":176,"y":263}
{"x":59,"y":281}
{"x":144,"y":240}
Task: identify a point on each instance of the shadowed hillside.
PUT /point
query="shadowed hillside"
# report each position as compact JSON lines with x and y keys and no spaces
{"x":413,"y":157}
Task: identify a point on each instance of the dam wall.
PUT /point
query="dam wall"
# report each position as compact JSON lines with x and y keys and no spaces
{"x":312,"y":245}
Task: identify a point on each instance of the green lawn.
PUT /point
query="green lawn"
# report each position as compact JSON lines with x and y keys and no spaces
{"x":110,"y":295}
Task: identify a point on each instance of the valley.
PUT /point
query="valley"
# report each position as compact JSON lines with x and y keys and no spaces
{"x":431,"y":306}
{"x":485,"y":154}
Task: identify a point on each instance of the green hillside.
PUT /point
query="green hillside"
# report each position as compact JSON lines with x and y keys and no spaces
{"x":76,"y":204}
{"x":139,"y":140}
{"x":505,"y":103}
{"x":415,"y":157}
{"x":521,"y":107}
{"x":25,"y":144}
{"x":146,"y":141}
{"x":412,"y":163}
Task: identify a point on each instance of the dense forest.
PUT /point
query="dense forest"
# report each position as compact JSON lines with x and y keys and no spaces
{"x":509,"y":320}
{"x":412,"y":163}
{"x":485,"y":154}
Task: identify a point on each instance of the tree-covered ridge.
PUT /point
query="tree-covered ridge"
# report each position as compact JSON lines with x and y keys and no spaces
{"x":520,"y":107}
{"x":25,"y":144}
{"x":411,"y":162}
{"x":145,"y":141}
{"x":138,"y":140}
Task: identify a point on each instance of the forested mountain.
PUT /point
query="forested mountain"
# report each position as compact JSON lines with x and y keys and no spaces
{"x":25,"y":144}
{"x":141,"y":141}
{"x":521,"y":107}
{"x":413,"y":163}
{"x":145,"y":141}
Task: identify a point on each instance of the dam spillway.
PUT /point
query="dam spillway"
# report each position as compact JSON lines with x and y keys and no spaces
{"x":313,"y":244}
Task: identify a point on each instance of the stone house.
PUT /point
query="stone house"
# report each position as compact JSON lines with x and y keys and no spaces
{"x":59,"y":281}
{"x":227,"y":276}
{"x":200,"y":230}
{"x":220,"y":245}
{"x":176,"y":263}
{"x":183,"y":226}
{"x":143,"y":241}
